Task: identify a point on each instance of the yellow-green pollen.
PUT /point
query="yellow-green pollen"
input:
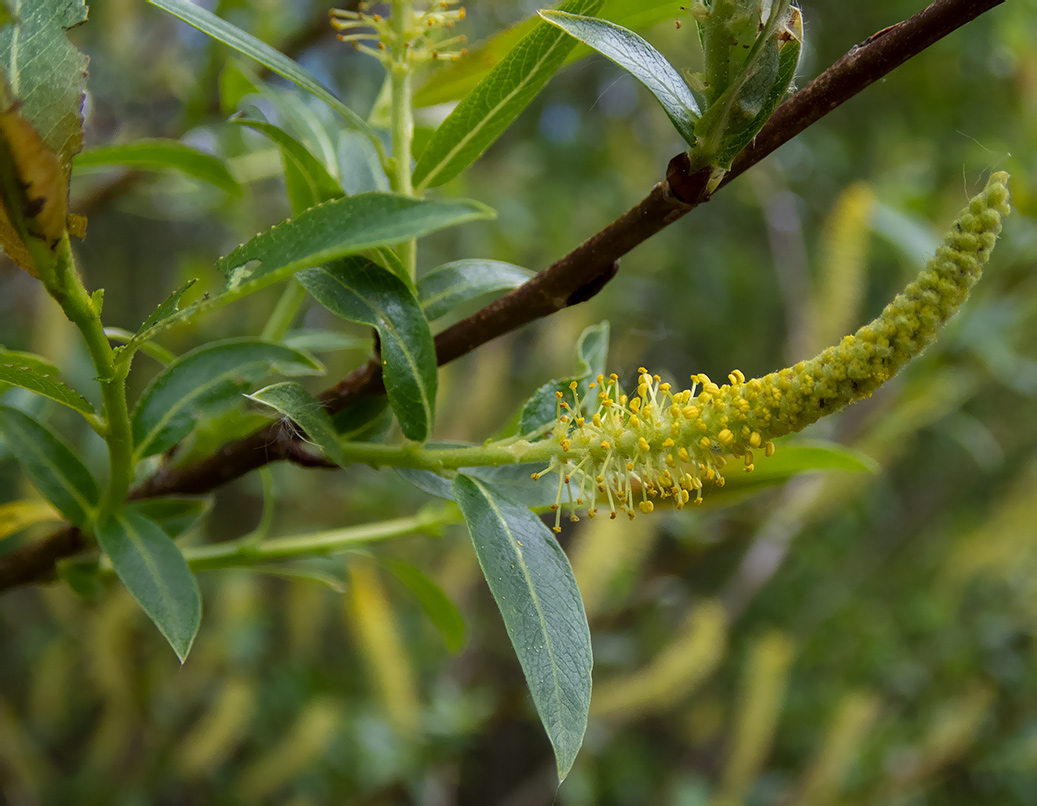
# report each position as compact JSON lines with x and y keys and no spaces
{"x":627,"y":451}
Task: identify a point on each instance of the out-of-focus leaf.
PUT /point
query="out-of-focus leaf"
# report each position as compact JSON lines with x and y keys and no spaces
{"x":273,"y":60}
{"x":175,"y":514}
{"x":641,"y":60}
{"x":496,"y":101}
{"x":51,"y":465}
{"x":18,"y":515}
{"x":323,"y":341}
{"x":591,"y":354}
{"x":437,"y":605}
{"x":292,"y":400}
{"x":361,"y":291}
{"x":359,"y":167}
{"x":156,"y":574}
{"x":205,"y":381}
{"x":447,"y":286}
{"x":307,"y":180}
{"x":788,"y":461}
{"x":364,"y":421}
{"x":162,"y":155}
{"x":27,"y":377}
{"x":455,"y":80}
{"x":514,"y":481}
{"x":534,"y":587}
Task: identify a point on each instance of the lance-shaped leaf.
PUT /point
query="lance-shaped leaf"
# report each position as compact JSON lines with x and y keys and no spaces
{"x":293,"y":401}
{"x":167,"y":310}
{"x":338,"y":228}
{"x":641,"y":60}
{"x":163,"y":155}
{"x":275,"y":61}
{"x":30,"y":378}
{"x":447,"y":286}
{"x":150,"y":565}
{"x":307,"y":179}
{"x":321,"y":234}
{"x":203,"y":382}
{"x":456,"y":79}
{"x":534,"y":587}
{"x":175,"y":514}
{"x":359,"y":290}
{"x":484,"y":114}
{"x":51,"y":465}
{"x":591,"y":353}
{"x":442,"y":612}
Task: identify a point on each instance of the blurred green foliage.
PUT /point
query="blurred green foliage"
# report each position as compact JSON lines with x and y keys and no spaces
{"x":843,"y":639}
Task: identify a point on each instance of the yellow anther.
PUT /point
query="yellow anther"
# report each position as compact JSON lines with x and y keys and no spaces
{"x":768,"y":449}
{"x":667,"y":443}
{"x":748,"y":458}
{"x":646,"y":507}
{"x":630,"y":465}
{"x":596,"y":420}
{"x":705,"y":442}
{"x":635,"y":405}
{"x":642,"y":371}
{"x":683,"y":455}
{"x":749,"y":468}
{"x":725,"y":437}
{"x":604,"y":446}
{"x":690,"y":412}
{"x":573,"y":385}
{"x":642,"y":443}
{"x":736,"y":377}
{"x":634,"y":422}
{"x":558,"y":395}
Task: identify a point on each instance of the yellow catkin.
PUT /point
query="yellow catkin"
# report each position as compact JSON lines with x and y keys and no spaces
{"x":632,"y":444}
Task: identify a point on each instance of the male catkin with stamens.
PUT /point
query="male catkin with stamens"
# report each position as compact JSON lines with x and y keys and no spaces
{"x":628,"y":451}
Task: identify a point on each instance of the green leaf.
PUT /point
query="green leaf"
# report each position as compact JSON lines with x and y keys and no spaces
{"x":307,"y":180}
{"x":591,"y":354}
{"x":167,"y":311}
{"x":489,"y":109}
{"x":175,"y":514}
{"x":162,"y":155}
{"x":359,"y":167}
{"x":150,"y":565}
{"x":292,"y":400}
{"x":641,"y":60}
{"x":334,"y":229}
{"x":447,"y":286}
{"x":338,"y":228}
{"x":37,"y":363}
{"x":367,"y":420}
{"x":323,"y":341}
{"x":534,"y":587}
{"x":789,"y":460}
{"x":359,"y":290}
{"x":206,"y":381}
{"x":46,"y":73}
{"x":457,"y":79}
{"x":18,"y":515}
{"x":273,"y":60}
{"x":30,"y":378}
{"x":437,"y":605}
{"x":51,"y":465}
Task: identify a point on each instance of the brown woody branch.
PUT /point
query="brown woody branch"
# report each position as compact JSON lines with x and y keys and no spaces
{"x":574,"y":278}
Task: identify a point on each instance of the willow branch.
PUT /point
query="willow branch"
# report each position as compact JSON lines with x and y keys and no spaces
{"x":574,"y":278}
